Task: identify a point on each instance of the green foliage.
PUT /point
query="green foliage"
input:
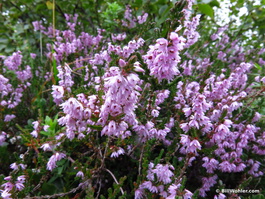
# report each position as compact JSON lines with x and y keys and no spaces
{"x":206,"y":9}
{"x":112,"y":12}
{"x":51,"y":132}
{"x":259,"y":196}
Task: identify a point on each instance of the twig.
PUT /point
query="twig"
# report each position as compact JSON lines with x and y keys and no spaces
{"x":140,"y":161}
{"x":122,"y":192}
{"x":70,"y":159}
{"x":183,"y":170}
{"x":42,"y":180}
{"x":135,"y":147}
{"x":253,"y":98}
{"x":105,"y":152}
{"x":99,"y":189}
{"x":59,"y":194}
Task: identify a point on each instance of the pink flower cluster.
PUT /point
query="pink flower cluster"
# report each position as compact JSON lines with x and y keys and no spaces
{"x":188,"y":145}
{"x":2,"y":138}
{"x":65,"y":81}
{"x":14,"y":61}
{"x":10,"y":95}
{"x":10,"y":185}
{"x":159,"y":177}
{"x":149,"y":131}
{"x":211,"y":110}
{"x":163,"y":57}
{"x":130,"y":20}
{"x":78,"y":115}
{"x":120,"y":100}
{"x":53,"y":159}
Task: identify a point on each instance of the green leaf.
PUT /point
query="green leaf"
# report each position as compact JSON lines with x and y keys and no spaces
{"x":2,"y":46}
{"x":48,"y":133}
{"x":48,"y":120}
{"x":259,"y":196}
{"x":205,"y":1}
{"x":48,"y":188}
{"x":162,"y":9}
{"x":157,"y":160}
{"x":138,"y":3}
{"x":257,"y":66}
{"x":214,"y":3}
{"x":206,"y":9}
{"x":50,"y":5}
{"x":164,"y":12}
{"x":102,"y":197}
{"x":3,"y":40}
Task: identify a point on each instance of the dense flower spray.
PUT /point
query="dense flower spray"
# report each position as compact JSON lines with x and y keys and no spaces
{"x":121,"y":98}
{"x":163,"y":57}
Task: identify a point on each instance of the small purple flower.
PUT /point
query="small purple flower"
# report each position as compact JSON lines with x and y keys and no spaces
{"x":184,"y":140}
{"x":34,"y":134}
{"x":23,"y":166}
{"x":14,"y":166}
{"x":142,"y":19}
{"x":80,"y":174}
{"x":14,"y":61}
{"x":220,"y":196}
{"x":65,"y":77}
{"x":210,"y":164}
{"x":37,"y":25}
{"x":8,"y":118}
{"x":33,"y":55}
{"x":21,"y":179}
{"x":46,"y":147}
{"x":225,"y":166}
{"x":155,"y":113}
{"x":46,"y":127}
{"x":53,"y":159}
{"x":207,"y":184}
{"x":214,"y":37}
{"x":24,"y":75}
{"x":119,"y":37}
{"x":57,"y":94}
{"x":73,"y":107}
{"x":188,"y":194}
{"x":2,"y":137}
{"x":117,"y":153}
{"x":19,"y":186}
{"x":6,"y":195}
{"x":148,"y":185}
{"x":35,"y":125}
{"x":138,"y":194}
{"x":137,"y":67}
{"x":8,"y":178}
{"x":172,"y":189}
{"x":193,"y":146}
{"x":8,"y":186}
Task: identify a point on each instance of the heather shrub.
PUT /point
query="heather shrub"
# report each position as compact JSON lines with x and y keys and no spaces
{"x":151,"y":100}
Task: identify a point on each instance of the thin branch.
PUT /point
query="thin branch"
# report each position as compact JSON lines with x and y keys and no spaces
{"x":140,"y":160}
{"x":122,"y":192}
{"x":183,"y":170}
{"x":42,"y":180}
{"x":99,"y":188}
{"x":60,"y":194}
{"x":105,"y":153}
{"x":70,"y":159}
